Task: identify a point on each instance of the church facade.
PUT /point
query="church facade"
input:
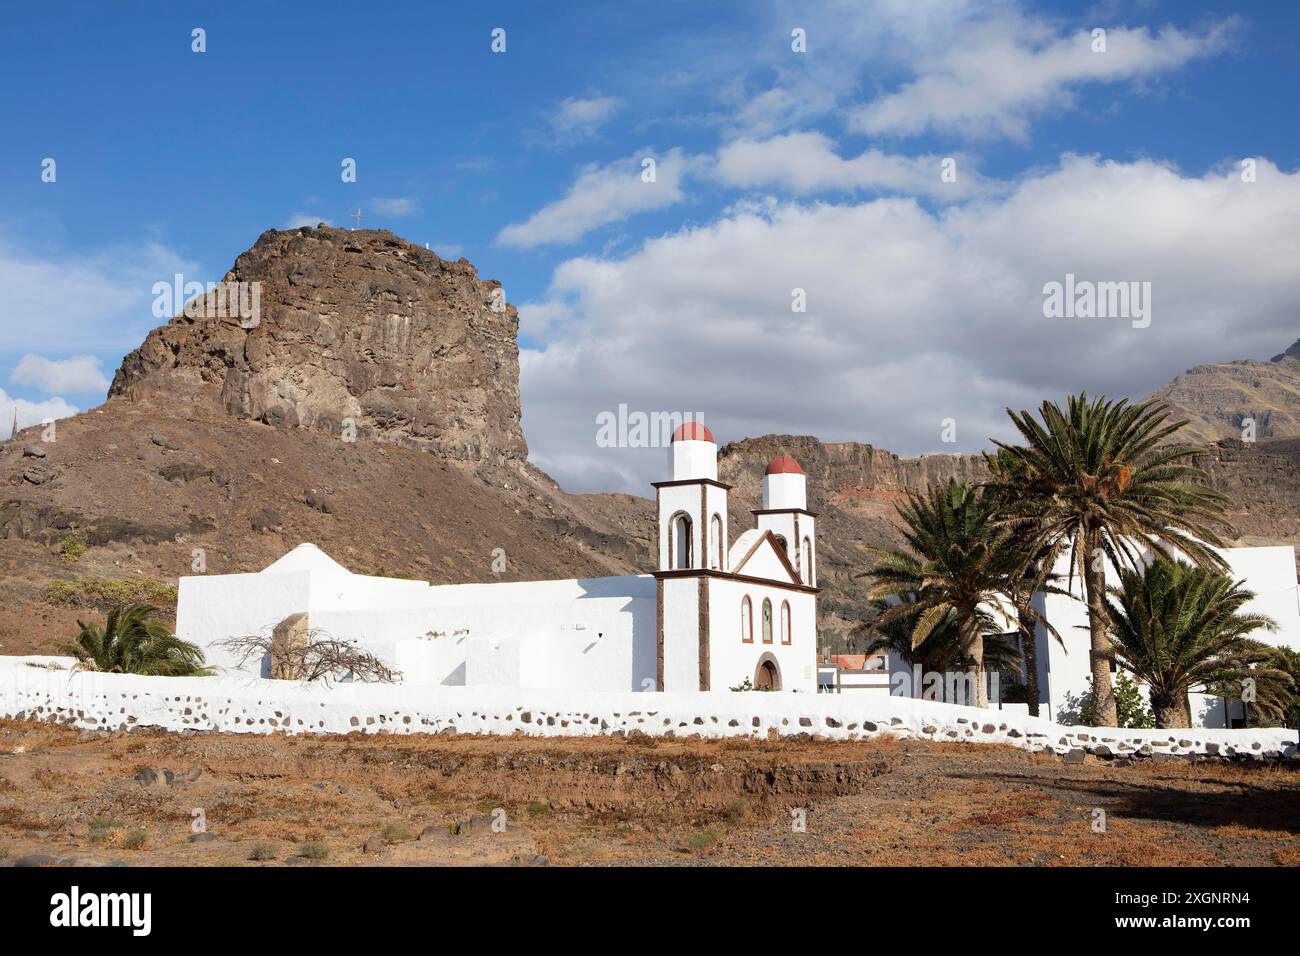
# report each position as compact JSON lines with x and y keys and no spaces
{"x":717,"y":613}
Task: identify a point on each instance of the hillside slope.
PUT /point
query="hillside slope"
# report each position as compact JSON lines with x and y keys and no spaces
{"x":228,"y":440}
{"x":1215,"y":400}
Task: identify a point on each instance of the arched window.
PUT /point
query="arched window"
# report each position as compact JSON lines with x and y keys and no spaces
{"x":747,"y":620}
{"x":785,"y":622}
{"x":715,"y":530}
{"x":807,"y":561}
{"x":767,"y":621}
{"x":780,"y":539}
{"x":681,"y":542}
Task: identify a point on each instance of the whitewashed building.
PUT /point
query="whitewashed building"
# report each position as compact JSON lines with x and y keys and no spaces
{"x":718,"y":613}
{"x":1063,"y":668}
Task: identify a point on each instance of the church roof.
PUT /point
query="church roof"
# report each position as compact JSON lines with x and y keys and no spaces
{"x":783,"y":465}
{"x":306,"y":557}
{"x":692,"y":431}
{"x":750,"y":543}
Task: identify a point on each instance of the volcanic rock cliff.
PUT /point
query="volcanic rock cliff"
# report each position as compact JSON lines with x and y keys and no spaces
{"x":358,"y":327}
{"x":221,"y":443}
{"x":1216,"y":400}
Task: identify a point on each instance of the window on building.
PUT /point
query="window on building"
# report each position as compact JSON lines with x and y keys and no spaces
{"x":785,"y":622}
{"x":718,"y":543}
{"x":681,"y":543}
{"x":807,"y":561}
{"x":747,"y":620}
{"x":767,"y":621}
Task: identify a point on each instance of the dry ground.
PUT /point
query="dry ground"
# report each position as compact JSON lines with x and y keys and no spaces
{"x":73,"y":795}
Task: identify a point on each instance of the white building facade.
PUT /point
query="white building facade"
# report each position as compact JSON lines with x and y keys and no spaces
{"x":1063,"y":668}
{"x":716,"y":614}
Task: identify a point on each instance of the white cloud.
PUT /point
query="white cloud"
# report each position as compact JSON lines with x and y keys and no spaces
{"x":79,"y":375}
{"x":806,"y":163}
{"x":397,"y":208}
{"x":30,"y":413}
{"x":602,"y":195}
{"x":913,"y":316}
{"x":300,"y":219}
{"x":579,"y":117}
{"x":769,"y":88}
{"x":83,"y":301}
{"x":1004,"y":72}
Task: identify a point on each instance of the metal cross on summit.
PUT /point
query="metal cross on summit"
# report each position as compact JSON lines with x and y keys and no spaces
{"x":357,"y":217}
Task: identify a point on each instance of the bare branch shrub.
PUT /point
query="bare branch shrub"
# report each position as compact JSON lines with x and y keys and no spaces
{"x":321,"y":657}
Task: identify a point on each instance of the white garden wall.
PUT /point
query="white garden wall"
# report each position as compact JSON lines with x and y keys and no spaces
{"x":240,"y":704}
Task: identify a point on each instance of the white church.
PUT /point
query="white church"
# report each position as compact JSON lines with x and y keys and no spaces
{"x":717,"y":614}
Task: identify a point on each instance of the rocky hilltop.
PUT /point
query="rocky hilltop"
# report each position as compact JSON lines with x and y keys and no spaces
{"x":1215,"y":400}
{"x":361,"y":327}
{"x":221,"y":442}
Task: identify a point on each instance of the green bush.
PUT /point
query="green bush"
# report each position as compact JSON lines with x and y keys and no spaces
{"x":105,"y":592}
{"x":71,"y":548}
{"x":1130,"y":706}
{"x":314,"y":851}
{"x":262,"y":852}
{"x":703,"y":839}
{"x":100,"y":829}
{"x":396,"y":833}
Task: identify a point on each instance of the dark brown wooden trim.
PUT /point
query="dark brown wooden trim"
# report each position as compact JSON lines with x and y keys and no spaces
{"x":770,"y":535}
{"x":776,"y":666}
{"x":659,"y":634}
{"x":659,"y":529}
{"x":798,"y":552}
{"x":689,"y":481}
{"x":704,"y":526}
{"x":729,"y":576}
{"x":703,"y":601}
{"x":672,"y":540}
{"x":783,"y":511}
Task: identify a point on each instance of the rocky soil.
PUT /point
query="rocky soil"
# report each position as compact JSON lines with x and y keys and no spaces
{"x":134,"y":799}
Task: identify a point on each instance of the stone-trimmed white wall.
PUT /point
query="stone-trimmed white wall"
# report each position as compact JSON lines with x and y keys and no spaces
{"x":241,"y":704}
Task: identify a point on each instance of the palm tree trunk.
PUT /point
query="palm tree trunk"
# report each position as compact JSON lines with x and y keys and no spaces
{"x":1094,"y":583}
{"x":972,"y":646}
{"x":1171,"y":710}
{"x":1030,"y":639}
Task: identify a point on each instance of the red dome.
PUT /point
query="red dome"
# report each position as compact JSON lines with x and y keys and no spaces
{"x":692,"y":431}
{"x":783,"y":465}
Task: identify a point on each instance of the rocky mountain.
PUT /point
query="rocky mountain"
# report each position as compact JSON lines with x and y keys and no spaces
{"x":222,"y":443}
{"x":1216,"y":400}
{"x":359,"y":327}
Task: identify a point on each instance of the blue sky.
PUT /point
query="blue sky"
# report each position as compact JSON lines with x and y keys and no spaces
{"x":776,"y":170}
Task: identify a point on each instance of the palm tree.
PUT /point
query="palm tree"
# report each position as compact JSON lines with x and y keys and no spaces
{"x":1177,"y":626}
{"x":1035,"y":576}
{"x":1277,"y":702}
{"x":130,"y":642}
{"x":1100,"y":481}
{"x":941,"y":651}
{"x":960,"y":562}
